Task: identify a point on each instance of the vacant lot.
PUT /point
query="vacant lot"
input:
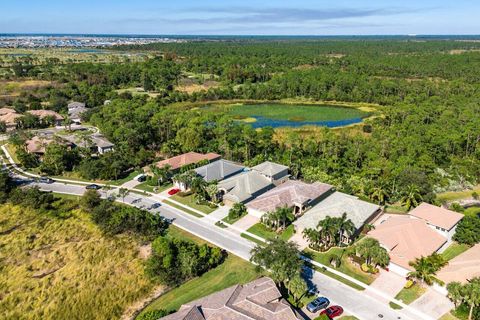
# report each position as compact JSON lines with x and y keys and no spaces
{"x":54,"y":268}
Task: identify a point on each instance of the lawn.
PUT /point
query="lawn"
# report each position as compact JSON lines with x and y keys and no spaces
{"x":233,"y":271}
{"x":260,"y":230}
{"x":457,"y":195}
{"x":472,"y":211}
{"x":127,"y":178}
{"x":232,"y":221}
{"x":411,"y":294}
{"x":145,"y":186}
{"x":454,"y":250}
{"x":173,"y":204}
{"x":191,"y":202}
{"x":293,"y":112}
{"x":346,"y":266}
{"x":56,"y":268}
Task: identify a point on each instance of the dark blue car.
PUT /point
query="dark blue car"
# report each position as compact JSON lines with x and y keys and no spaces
{"x":318,"y":304}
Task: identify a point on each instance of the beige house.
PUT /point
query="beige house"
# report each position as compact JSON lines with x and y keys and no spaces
{"x":463,"y":267}
{"x":42,"y":114}
{"x":294,"y":194}
{"x":186,"y":159}
{"x":10,"y":119}
{"x":257,"y":300}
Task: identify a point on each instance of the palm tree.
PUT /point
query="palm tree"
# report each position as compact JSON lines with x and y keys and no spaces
{"x":212,"y":191}
{"x":379,"y":195}
{"x":426,"y":268}
{"x":372,"y":252}
{"x":123,"y":192}
{"x":412,"y":197}
{"x":455,"y":292}
{"x":313,"y":237}
{"x":329,"y":229}
{"x":284,"y":216}
{"x":346,"y":229}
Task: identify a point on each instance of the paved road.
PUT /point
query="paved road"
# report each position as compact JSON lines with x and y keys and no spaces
{"x":353,"y":301}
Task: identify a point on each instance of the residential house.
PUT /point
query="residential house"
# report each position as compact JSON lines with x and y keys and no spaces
{"x":293,"y":194}
{"x":10,"y":118}
{"x":38,"y":144}
{"x":42,"y":114}
{"x":405,"y":239}
{"x":185,"y":159}
{"x":75,"y":110}
{"x":97,"y":143}
{"x":101,"y":144}
{"x":275,"y":172}
{"x":335,"y":205}
{"x":463,"y":267}
{"x":244,"y":187}
{"x":442,"y":220}
{"x":258,"y":300}
{"x":219,"y":170}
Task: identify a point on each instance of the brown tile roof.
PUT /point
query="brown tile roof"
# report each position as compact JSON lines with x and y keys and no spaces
{"x":258,"y":300}
{"x":288,"y":194}
{"x":186,"y":159}
{"x":437,"y":216}
{"x":407,"y":238}
{"x":10,"y":118}
{"x":6,"y":110}
{"x":463,"y":267}
{"x":37,"y":144}
{"x":46,"y":113}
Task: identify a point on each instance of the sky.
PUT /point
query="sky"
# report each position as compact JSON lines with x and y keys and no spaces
{"x":241,"y":17}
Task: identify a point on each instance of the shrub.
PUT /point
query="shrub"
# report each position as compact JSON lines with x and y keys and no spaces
{"x":152,"y":315}
{"x":409,"y":284}
{"x":475,"y":195}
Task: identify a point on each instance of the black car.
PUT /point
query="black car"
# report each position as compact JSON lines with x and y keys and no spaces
{"x":317,"y":304}
{"x":45,"y":180}
{"x":93,"y":187}
{"x":155,"y":206}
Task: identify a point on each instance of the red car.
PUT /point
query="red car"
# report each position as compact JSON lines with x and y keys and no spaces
{"x":173,"y":191}
{"x":333,"y":311}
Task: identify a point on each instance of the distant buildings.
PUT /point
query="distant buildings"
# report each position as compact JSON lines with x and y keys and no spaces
{"x":75,"y":110}
{"x":259,"y":300}
{"x":43,"y":114}
{"x":9,"y":116}
{"x":186,"y":159}
{"x":96,"y":142}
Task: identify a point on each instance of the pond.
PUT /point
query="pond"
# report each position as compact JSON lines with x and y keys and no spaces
{"x":278,"y":115}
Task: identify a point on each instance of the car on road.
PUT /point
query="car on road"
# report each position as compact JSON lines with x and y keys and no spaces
{"x":45,"y":180}
{"x":173,"y":191}
{"x":137,"y":201}
{"x":154,"y":206}
{"x":317,"y":304}
{"x":93,"y":187}
{"x":333,"y":311}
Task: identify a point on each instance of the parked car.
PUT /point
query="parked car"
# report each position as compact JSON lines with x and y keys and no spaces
{"x":45,"y":180}
{"x":333,"y":311}
{"x":317,"y":304}
{"x":137,"y":201}
{"x":140,"y":178}
{"x":93,"y":187}
{"x":154,"y":206}
{"x":173,"y":191}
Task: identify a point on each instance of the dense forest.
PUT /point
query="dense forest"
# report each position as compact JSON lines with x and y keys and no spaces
{"x":426,"y":139}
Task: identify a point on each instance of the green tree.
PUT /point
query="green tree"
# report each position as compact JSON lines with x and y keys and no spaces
{"x":411,"y":197}
{"x":123,"y":192}
{"x":297,"y":287}
{"x":238,"y":210}
{"x":426,"y":268}
{"x":455,"y":292}
{"x":90,"y":200}
{"x":468,"y":230}
{"x":373,"y":253}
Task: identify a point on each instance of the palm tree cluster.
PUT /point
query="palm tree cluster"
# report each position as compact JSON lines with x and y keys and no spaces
{"x":198,"y":186}
{"x":374,"y":254}
{"x":427,"y":267}
{"x":468,"y":293}
{"x":331,"y":231}
{"x":161,"y":174}
{"x":278,"y":219}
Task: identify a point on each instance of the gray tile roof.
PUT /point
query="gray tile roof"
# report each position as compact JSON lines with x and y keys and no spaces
{"x":258,"y":300}
{"x":242,"y":187}
{"x":334,"y":206}
{"x":219,"y":170}
{"x":270,"y":168}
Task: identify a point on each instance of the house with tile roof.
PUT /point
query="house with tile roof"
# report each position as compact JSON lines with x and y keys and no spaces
{"x":257,"y":300}
{"x":244,"y":187}
{"x":335,"y":205}
{"x":463,"y":267}
{"x":75,"y":111}
{"x":38,"y":144}
{"x":219,"y":170}
{"x":442,"y":220}
{"x":294,"y":194}
{"x":188,"y":158}
{"x":42,"y":114}
{"x":10,"y":119}
{"x":277,"y":173}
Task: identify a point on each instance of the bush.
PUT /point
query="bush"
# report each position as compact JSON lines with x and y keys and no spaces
{"x":409,"y":284}
{"x":335,"y":261}
{"x":475,"y":195}
{"x":467,"y":231}
{"x":152,"y":315}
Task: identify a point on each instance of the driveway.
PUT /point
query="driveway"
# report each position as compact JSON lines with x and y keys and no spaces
{"x":433,"y":303}
{"x":130,"y":184}
{"x":220,"y":213}
{"x":246,"y":222}
{"x":388,"y":282}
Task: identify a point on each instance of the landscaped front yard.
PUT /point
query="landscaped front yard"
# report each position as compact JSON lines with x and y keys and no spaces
{"x":145,"y":186}
{"x":192,"y":203}
{"x":346,"y":266}
{"x":454,"y":250}
{"x":260,"y":230}
{"x":411,"y":294}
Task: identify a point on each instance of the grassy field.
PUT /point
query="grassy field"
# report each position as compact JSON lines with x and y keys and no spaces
{"x":454,"y":250}
{"x":472,"y":211}
{"x":260,"y":230}
{"x":346,"y":266}
{"x":411,"y":294}
{"x":233,"y":271}
{"x":65,"y":268}
{"x":190,"y":201}
{"x":457,"y":195}
{"x":293,"y":112}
